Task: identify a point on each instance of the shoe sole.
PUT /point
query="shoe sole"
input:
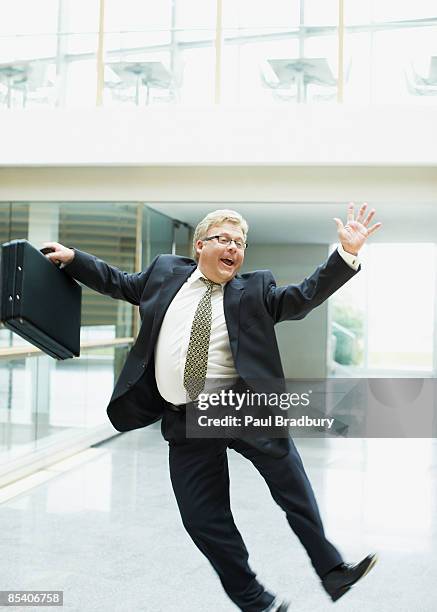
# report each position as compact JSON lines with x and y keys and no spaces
{"x":335,"y":596}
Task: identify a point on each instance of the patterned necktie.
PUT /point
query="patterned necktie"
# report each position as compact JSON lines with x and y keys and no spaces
{"x":196,"y":362}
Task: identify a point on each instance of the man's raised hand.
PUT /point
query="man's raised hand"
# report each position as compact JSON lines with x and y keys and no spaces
{"x":356,"y":231}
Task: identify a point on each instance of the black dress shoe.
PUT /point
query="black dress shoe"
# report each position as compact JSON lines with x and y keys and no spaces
{"x":339,"y":580}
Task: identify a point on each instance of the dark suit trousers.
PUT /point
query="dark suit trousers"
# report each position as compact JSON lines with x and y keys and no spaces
{"x":200,"y":479}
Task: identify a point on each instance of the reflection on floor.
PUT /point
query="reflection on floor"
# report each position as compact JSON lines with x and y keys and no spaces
{"x":107,"y":532}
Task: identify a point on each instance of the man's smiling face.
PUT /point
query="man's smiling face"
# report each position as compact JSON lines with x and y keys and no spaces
{"x":221,"y":262}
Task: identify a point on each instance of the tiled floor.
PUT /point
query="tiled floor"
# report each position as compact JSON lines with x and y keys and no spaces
{"x":107,"y":532}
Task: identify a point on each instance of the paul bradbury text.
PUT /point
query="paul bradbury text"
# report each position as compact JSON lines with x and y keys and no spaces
{"x":269,"y":421}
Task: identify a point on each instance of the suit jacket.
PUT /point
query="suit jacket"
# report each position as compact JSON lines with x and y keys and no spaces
{"x":253,"y":304}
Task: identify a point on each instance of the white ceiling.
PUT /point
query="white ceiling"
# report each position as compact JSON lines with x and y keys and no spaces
{"x":313,"y":222}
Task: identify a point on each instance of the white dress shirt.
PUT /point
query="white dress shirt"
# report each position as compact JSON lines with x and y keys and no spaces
{"x":351,"y":260}
{"x":174,"y":336}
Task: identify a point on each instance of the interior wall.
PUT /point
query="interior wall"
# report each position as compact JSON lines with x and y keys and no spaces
{"x":220,"y":184}
{"x":290,"y":134}
{"x":302,"y":343}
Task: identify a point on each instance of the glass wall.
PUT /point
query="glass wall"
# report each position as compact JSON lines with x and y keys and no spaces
{"x":281,"y":52}
{"x":48,"y":53}
{"x":391,"y":52}
{"x":159,"y":231}
{"x":44,"y":402}
{"x":109,"y":232}
{"x":162,"y":234}
{"x":383,"y":320}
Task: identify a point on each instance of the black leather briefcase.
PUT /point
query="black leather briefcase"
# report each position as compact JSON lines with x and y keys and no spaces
{"x":38,"y":301}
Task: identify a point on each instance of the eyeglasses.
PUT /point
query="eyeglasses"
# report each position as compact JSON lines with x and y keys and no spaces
{"x":226,"y":241}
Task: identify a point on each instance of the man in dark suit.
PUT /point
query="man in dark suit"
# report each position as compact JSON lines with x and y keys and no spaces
{"x":201,"y":320}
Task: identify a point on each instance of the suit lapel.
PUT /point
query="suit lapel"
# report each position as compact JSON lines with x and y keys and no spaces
{"x":231,"y":304}
{"x":170,"y":285}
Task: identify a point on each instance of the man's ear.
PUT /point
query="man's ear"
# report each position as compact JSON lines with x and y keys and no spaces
{"x":199,"y":246}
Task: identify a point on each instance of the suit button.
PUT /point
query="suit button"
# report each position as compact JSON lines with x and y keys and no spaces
{"x":143,"y":365}
{"x":129,"y":383}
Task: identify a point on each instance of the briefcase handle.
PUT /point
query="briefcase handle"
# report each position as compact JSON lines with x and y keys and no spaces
{"x":46,"y":250}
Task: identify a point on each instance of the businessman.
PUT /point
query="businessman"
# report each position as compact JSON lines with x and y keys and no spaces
{"x":201,"y":320}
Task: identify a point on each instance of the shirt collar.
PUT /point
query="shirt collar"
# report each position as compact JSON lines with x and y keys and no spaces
{"x":196,"y":275}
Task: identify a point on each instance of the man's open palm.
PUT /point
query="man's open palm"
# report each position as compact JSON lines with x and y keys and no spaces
{"x":356,"y":231}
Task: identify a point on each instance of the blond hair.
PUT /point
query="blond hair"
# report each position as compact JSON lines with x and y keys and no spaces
{"x":217,"y":217}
